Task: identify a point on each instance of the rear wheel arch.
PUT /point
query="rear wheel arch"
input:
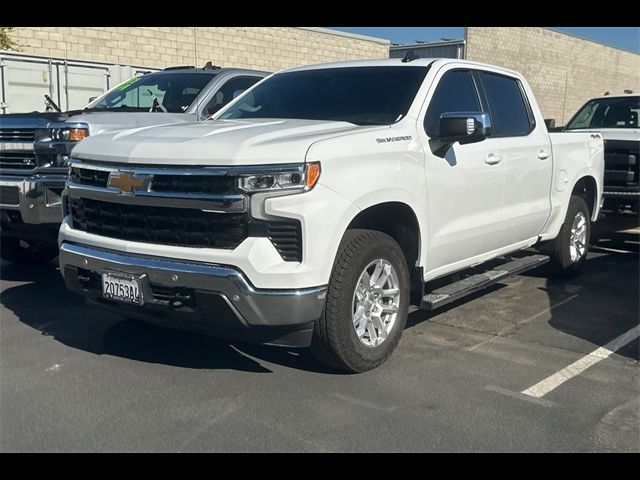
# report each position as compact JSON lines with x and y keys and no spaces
{"x":587,"y":188}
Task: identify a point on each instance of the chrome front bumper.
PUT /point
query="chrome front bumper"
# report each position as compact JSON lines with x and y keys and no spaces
{"x":223,"y":302}
{"x":37,"y":197}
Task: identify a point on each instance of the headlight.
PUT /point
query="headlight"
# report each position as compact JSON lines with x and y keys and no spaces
{"x":295,"y":179}
{"x":68,"y":134}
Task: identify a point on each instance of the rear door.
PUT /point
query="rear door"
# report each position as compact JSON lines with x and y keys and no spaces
{"x":526,"y":157}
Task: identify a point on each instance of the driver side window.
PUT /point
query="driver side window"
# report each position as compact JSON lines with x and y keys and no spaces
{"x":230,"y":90}
{"x":456,"y":92}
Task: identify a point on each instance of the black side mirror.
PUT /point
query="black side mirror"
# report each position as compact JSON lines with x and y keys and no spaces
{"x":464,"y":127}
{"x":550,"y":122}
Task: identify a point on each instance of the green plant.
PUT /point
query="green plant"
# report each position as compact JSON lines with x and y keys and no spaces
{"x":6,"y":42}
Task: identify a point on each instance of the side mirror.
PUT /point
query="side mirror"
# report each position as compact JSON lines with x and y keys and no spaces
{"x":91,"y":99}
{"x":550,"y":122}
{"x":464,"y":127}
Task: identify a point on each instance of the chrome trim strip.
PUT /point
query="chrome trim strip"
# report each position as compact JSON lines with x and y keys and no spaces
{"x":236,"y":203}
{"x":195,"y":170}
{"x":212,"y":269}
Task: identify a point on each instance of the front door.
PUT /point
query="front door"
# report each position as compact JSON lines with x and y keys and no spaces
{"x":465,"y":188}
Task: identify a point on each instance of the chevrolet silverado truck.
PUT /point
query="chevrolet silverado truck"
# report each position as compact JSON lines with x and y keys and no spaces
{"x":35,"y":147}
{"x":615,"y":117}
{"x":321,"y":203}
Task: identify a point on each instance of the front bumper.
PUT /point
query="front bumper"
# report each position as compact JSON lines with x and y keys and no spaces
{"x":208,"y":298}
{"x":37,"y":197}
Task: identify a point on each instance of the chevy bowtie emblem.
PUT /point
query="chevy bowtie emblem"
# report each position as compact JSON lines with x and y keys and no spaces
{"x":128,"y":182}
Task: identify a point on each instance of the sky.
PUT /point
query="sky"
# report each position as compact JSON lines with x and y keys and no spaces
{"x":627,"y":38}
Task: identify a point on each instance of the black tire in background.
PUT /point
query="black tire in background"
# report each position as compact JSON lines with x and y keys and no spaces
{"x":335,"y":341}
{"x":22,"y":252}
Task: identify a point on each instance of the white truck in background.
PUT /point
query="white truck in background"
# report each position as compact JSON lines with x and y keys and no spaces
{"x":35,"y":147}
{"x":321,"y":203}
{"x":616,"y":118}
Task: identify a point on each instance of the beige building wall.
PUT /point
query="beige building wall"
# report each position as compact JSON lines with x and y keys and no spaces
{"x":268,"y":48}
{"x":564,"y":71}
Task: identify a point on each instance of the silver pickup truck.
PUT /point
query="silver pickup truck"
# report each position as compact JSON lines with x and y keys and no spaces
{"x":35,"y":147}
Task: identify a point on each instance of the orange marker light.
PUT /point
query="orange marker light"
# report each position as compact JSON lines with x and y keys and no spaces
{"x":77,"y":134}
{"x":313,"y":173}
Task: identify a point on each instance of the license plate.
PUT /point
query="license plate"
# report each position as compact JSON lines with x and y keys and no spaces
{"x":122,"y":287}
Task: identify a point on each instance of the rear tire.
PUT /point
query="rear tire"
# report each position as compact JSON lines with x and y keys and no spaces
{"x":22,"y":252}
{"x":568,"y":251}
{"x":380,"y":313}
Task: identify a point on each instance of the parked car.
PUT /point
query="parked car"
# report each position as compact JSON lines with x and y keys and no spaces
{"x":316,"y":207}
{"x":615,"y":117}
{"x":35,"y":148}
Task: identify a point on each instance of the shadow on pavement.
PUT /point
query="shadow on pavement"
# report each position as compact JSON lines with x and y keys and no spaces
{"x":609,"y":303}
{"x":46,"y":305}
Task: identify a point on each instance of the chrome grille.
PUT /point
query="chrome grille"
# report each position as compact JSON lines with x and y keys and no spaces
{"x":17,"y":135}
{"x":18,"y":160}
{"x":188,"y":207}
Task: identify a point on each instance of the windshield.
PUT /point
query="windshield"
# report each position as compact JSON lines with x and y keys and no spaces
{"x":359,"y":95}
{"x":174,"y":91}
{"x":614,"y":112}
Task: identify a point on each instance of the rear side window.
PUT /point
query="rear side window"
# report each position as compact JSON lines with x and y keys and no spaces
{"x":455,"y":92}
{"x":509,"y":109}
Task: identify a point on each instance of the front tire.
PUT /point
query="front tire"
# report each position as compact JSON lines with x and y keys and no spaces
{"x":568,"y":251}
{"x":367,"y":303}
{"x":23,"y":252}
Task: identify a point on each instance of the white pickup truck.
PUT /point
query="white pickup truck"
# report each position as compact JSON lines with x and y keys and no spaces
{"x":35,"y":147}
{"x":615,"y":117}
{"x":321,"y":203}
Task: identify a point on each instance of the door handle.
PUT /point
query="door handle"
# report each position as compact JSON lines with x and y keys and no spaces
{"x":543,"y":154}
{"x":493,"y":158}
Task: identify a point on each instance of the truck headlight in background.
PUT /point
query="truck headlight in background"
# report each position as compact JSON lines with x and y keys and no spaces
{"x":69,"y":134}
{"x":294,"y":179}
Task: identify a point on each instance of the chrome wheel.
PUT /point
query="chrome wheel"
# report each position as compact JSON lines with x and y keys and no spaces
{"x":376,"y":301}
{"x":578,"y":239}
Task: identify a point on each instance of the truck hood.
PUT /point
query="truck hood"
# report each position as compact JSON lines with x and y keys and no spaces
{"x":632,"y":134}
{"x":101,"y":122}
{"x":30,"y":120}
{"x":214,"y":142}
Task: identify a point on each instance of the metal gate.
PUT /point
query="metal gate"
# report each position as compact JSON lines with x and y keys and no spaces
{"x":25,"y":79}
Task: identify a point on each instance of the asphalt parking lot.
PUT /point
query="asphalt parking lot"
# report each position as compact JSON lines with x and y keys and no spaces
{"x":74,"y":378}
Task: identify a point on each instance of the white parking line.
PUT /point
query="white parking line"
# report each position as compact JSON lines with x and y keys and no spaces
{"x":550,"y":383}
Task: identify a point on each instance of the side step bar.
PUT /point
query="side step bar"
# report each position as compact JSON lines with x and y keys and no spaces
{"x":461,"y":288}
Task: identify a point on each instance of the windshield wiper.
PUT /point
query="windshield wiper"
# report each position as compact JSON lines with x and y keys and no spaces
{"x":51,"y":105}
{"x":156,"y":103}
{"x":119,"y":107}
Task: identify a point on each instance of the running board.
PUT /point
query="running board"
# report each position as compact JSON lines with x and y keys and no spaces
{"x":461,"y":288}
